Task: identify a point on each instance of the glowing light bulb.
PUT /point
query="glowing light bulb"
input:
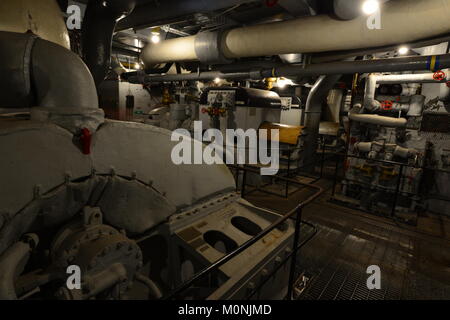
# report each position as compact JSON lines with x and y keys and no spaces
{"x":217,"y":80}
{"x":283,"y":82}
{"x":156,"y":38}
{"x":370,"y":6}
{"x":403,"y":50}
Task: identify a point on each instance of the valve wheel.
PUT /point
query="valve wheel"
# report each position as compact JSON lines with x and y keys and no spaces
{"x":439,"y":75}
{"x":387,"y":105}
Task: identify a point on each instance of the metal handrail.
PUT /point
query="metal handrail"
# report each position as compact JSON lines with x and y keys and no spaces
{"x":297,"y":210}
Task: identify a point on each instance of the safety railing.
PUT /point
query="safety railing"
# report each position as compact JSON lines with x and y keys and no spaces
{"x":396,"y":191}
{"x":294,"y":214}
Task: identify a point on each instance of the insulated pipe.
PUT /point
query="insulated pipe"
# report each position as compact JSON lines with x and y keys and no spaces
{"x":354,"y":115}
{"x":12,"y":263}
{"x":155,"y":292}
{"x":398,"y":151}
{"x":378,"y":120}
{"x":313,"y":111}
{"x":347,"y":9}
{"x":42,"y":74}
{"x":98,"y":27}
{"x":371,"y":85}
{"x":317,"y":34}
{"x":60,"y":78}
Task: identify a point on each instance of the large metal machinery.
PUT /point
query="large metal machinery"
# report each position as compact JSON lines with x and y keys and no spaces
{"x":79,"y":191}
{"x":393,"y":147}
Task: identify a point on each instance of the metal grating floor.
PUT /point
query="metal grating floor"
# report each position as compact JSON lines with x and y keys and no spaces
{"x":414,"y":262}
{"x":337,"y":258}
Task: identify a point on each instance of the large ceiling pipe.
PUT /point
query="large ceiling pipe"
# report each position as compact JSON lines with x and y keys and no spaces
{"x":312,"y":34}
{"x":98,"y":27}
{"x":149,"y":15}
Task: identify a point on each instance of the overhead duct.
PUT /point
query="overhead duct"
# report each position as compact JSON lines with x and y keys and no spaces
{"x":98,"y":27}
{"x":317,"y":34}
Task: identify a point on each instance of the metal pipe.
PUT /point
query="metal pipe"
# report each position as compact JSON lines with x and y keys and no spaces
{"x":154,"y":290}
{"x":12,"y":263}
{"x":313,"y":113}
{"x":97,"y":32}
{"x":315,"y":34}
{"x":60,"y":78}
{"x":354,"y":115}
{"x":43,"y":74}
{"x":416,"y":63}
{"x":370,"y":103}
{"x":200,"y":76}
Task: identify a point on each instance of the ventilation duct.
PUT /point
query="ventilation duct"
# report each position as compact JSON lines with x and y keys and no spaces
{"x":98,"y":27}
{"x":314,"y":34}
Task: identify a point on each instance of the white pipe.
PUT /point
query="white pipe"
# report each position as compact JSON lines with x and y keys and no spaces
{"x":402,"y":21}
{"x":396,"y":150}
{"x":374,"y":79}
{"x":406,"y":78}
{"x":378,"y":120}
{"x":354,"y":115}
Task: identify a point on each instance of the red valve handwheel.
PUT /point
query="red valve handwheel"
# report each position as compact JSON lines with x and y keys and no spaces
{"x":439,"y":75}
{"x":387,"y":105}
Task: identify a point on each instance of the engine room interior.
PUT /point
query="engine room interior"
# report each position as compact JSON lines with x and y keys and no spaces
{"x":256,"y":150}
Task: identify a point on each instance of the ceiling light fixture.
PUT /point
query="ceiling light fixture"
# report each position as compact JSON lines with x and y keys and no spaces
{"x":370,"y":6}
{"x":156,"y":35}
{"x":156,"y":38}
{"x":403,"y":50}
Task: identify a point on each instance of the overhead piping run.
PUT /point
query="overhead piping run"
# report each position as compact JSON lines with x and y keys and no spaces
{"x":98,"y":27}
{"x":416,"y":63}
{"x":314,"y":34}
{"x":149,"y":15}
